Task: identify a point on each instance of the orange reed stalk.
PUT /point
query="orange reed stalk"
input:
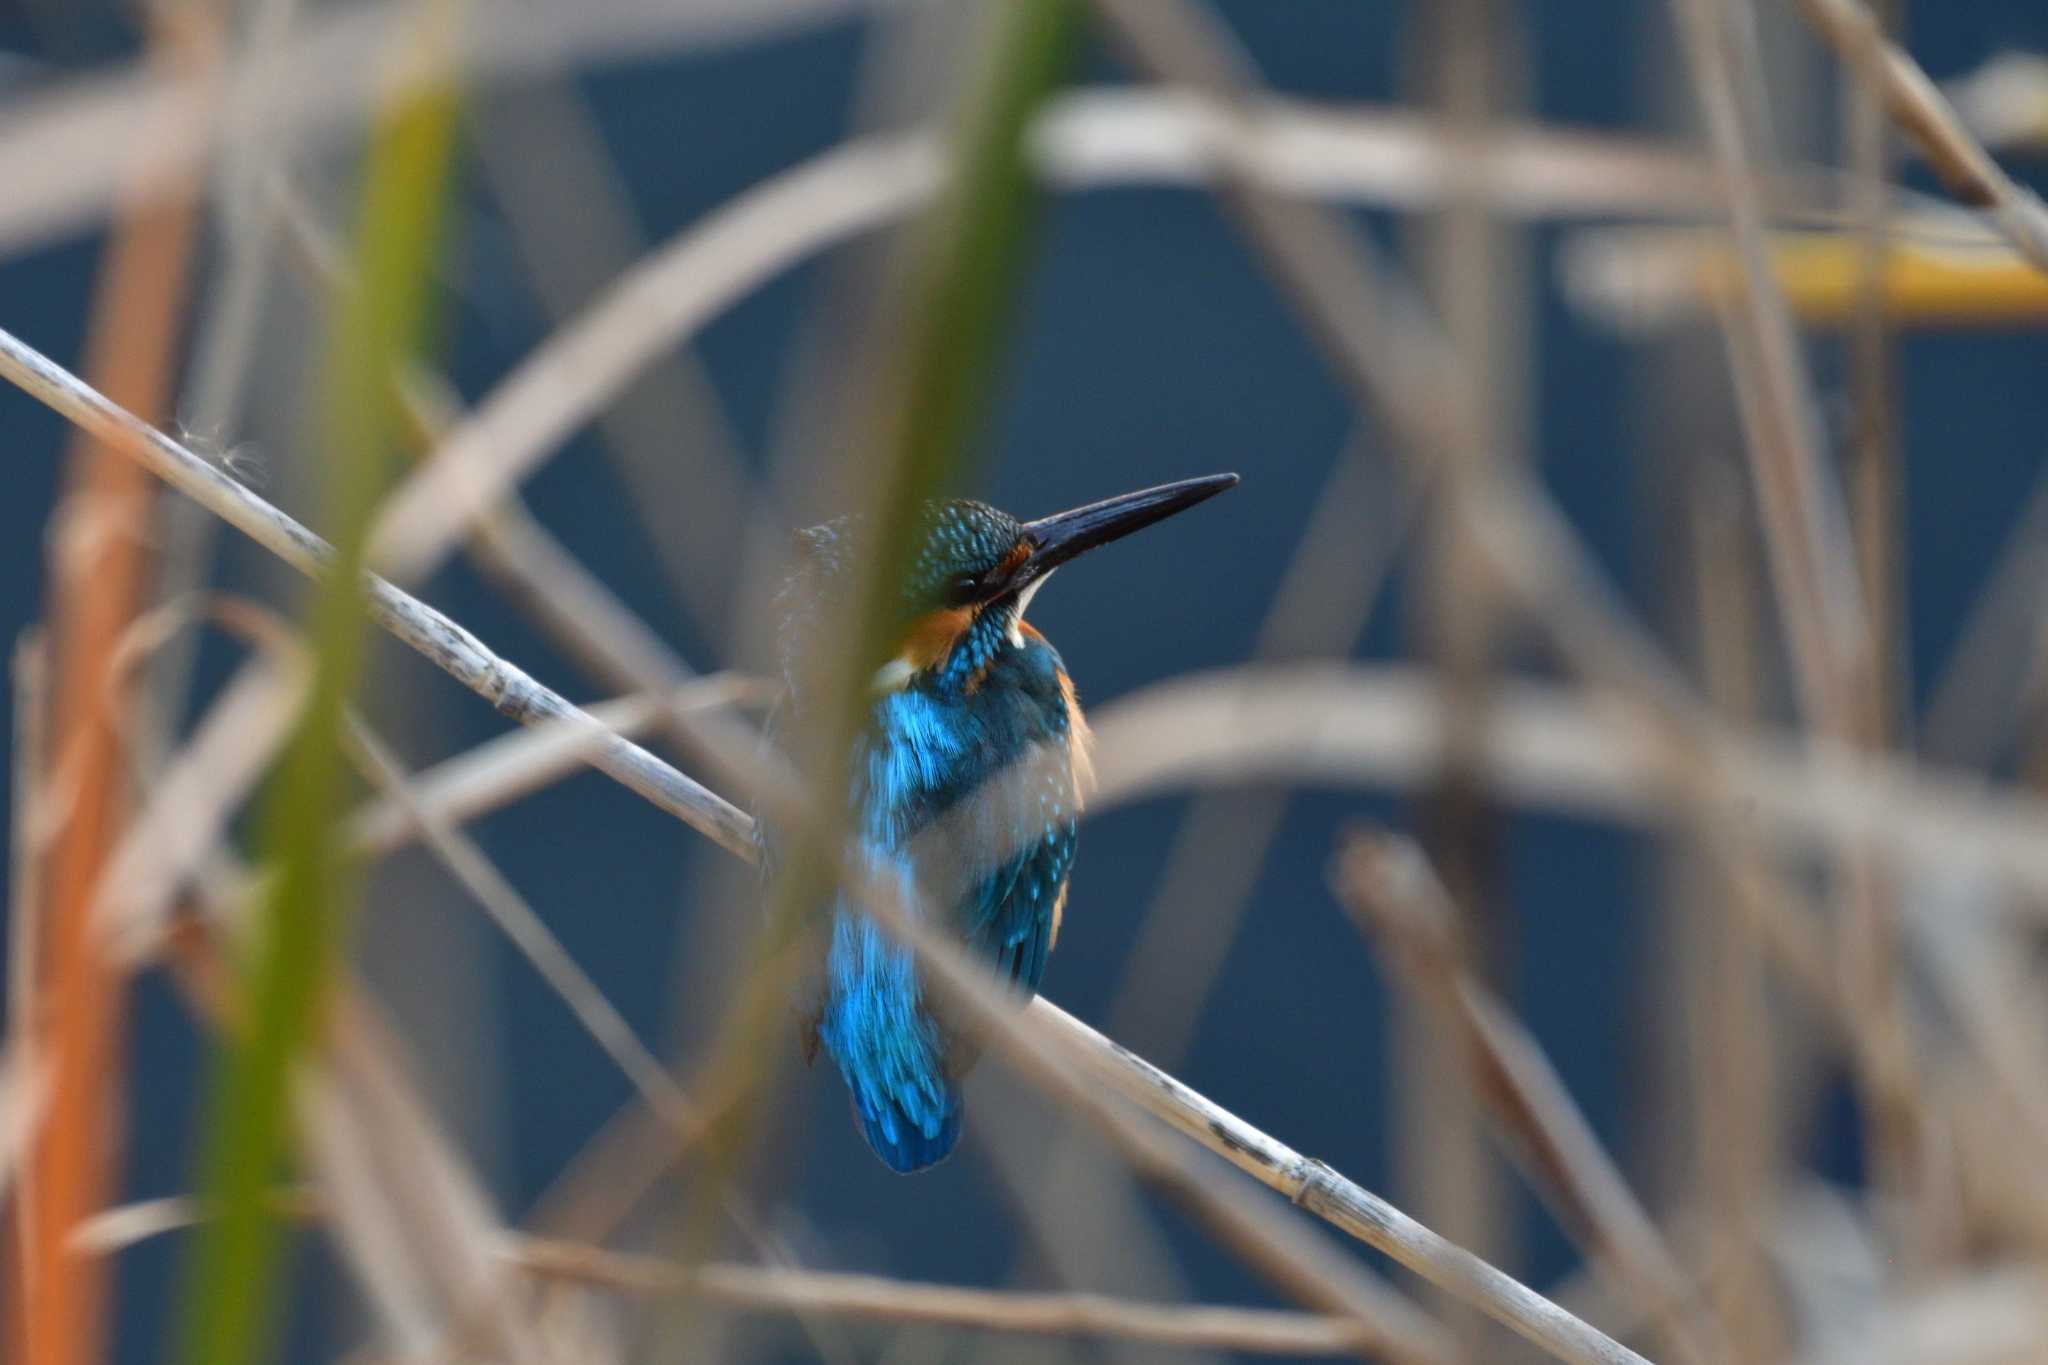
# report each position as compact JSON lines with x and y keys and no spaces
{"x":100,"y":571}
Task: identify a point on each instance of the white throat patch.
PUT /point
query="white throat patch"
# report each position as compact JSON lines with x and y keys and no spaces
{"x":1024,"y":602}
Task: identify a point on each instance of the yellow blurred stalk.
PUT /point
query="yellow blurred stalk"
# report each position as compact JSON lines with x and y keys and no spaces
{"x":1639,"y":280}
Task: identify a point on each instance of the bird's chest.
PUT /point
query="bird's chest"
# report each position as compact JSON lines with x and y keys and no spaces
{"x":977,"y":796}
{"x":994,"y":762}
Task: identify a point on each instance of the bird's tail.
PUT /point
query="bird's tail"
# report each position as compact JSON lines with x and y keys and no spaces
{"x":889,"y":1049}
{"x":902,"y":1142}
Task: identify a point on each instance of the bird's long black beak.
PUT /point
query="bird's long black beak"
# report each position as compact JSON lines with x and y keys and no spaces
{"x":1058,"y":538}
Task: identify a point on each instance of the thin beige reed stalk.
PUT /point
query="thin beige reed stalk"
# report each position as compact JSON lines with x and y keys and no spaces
{"x":870,"y":1297}
{"x":69,"y":151}
{"x":1813,"y":563}
{"x":1875,"y":471}
{"x":412,"y":1223}
{"x":1397,"y":900}
{"x":27,"y":836}
{"x":225,"y":351}
{"x":1815,"y":571}
{"x":1924,"y":114}
{"x":1470,"y":59}
{"x":519,"y":762}
{"x":859,"y":1297}
{"x":1368,"y":727}
{"x":443,"y":642}
{"x":24,"y":1093}
{"x":191,"y":802}
{"x":1733,"y":1048}
{"x":302,"y":92}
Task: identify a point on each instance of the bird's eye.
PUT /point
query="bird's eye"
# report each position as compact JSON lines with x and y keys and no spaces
{"x":963,"y":587}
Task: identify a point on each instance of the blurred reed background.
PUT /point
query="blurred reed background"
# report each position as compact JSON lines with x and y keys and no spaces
{"x":1577,"y":802}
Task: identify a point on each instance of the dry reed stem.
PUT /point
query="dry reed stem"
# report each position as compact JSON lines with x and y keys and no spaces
{"x":443,"y":642}
{"x":1316,"y":1187}
{"x":1369,"y":727}
{"x":860,"y":1297}
{"x":29,"y":831}
{"x":1396,"y":899}
{"x":1813,"y":562}
{"x":1874,"y":471}
{"x":191,"y":802}
{"x":1733,"y":1108}
{"x":499,"y":771}
{"x":2004,"y":102}
{"x":63,"y":153}
{"x":1274,"y":1244}
{"x":1390,"y":157}
{"x":1997,"y":1316}
{"x":1815,"y":571}
{"x":68,"y":153}
{"x":1925,"y":116}
{"x":872,"y":1297}
{"x":24,"y":1093}
{"x":1471,"y":63}
{"x":225,"y":349}
{"x":411,"y":1221}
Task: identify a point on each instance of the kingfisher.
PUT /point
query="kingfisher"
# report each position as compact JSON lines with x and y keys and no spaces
{"x":966,"y":784}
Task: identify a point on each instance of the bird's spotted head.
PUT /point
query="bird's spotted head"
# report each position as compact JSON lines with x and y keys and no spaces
{"x":972,"y":575}
{"x":976,"y":569}
{"x":964,"y":548}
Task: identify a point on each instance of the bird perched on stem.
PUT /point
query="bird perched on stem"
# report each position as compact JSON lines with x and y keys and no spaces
{"x":966,"y":784}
